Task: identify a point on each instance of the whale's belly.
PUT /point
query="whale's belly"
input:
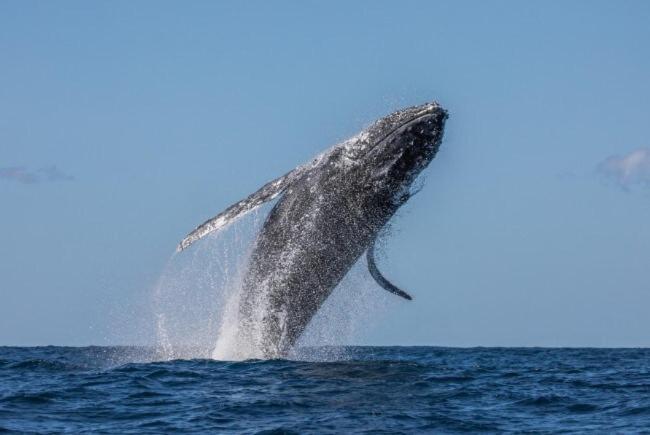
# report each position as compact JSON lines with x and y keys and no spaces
{"x":310,"y":240}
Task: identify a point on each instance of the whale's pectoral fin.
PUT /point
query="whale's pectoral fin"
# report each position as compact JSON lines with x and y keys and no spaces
{"x":376,"y":274}
{"x":267,"y":193}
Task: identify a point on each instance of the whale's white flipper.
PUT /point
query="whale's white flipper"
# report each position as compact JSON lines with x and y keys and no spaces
{"x":376,"y":274}
{"x":266,"y":193}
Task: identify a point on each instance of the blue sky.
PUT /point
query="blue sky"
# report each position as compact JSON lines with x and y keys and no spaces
{"x":125,"y":124}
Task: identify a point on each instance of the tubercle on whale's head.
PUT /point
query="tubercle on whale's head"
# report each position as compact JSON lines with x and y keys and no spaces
{"x":403,"y":143}
{"x":389,"y":124}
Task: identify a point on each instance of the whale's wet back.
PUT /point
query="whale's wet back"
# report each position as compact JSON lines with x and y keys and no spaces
{"x":329,"y":213}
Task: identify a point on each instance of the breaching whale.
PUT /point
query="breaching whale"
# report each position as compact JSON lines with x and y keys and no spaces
{"x":329,"y":212}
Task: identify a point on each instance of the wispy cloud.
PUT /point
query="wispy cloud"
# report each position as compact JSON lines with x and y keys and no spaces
{"x":629,"y":169}
{"x":19,"y":174}
{"x":23,"y":175}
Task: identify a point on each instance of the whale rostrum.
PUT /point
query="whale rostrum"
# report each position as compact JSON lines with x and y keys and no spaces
{"x":329,"y":212}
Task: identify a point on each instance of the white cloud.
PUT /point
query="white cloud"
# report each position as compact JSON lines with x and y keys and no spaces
{"x":629,"y":169}
{"x":23,"y":175}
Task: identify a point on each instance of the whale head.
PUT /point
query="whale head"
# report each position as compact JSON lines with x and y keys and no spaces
{"x":396,"y":148}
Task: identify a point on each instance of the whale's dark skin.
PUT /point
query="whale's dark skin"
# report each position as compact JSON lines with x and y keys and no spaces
{"x":329,"y":214}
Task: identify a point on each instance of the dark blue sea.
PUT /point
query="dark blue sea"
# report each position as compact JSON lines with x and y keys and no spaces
{"x":361,"y":389}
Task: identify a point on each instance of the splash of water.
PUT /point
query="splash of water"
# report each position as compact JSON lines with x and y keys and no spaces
{"x":196,"y":303}
{"x":196,"y":295}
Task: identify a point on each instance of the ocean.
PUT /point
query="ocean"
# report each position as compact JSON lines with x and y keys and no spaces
{"x":326,"y":390}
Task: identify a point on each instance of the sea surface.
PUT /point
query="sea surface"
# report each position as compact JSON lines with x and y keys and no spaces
{"x":326,"y":390}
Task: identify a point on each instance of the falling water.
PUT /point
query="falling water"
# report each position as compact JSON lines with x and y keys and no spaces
{"x":197,"y":292}
{"x":196,"y":302}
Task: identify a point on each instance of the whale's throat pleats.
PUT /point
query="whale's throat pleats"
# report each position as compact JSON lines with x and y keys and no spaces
{"x":381,"y":280}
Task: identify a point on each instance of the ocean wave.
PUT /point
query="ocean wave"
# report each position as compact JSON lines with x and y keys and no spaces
{"x":387,"y":390}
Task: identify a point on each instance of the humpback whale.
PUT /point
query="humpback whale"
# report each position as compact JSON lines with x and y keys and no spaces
{"x":329,"y":212}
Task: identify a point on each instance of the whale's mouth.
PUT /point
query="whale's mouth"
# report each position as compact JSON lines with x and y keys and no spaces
{"x":405,"y":125}
{"x":432,"y":110}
